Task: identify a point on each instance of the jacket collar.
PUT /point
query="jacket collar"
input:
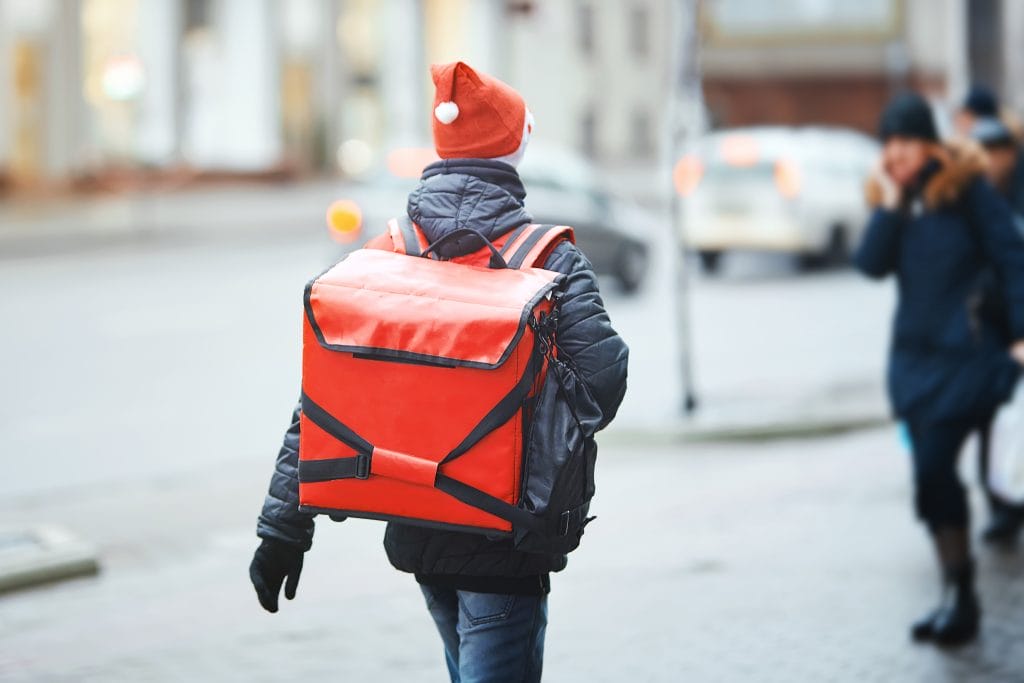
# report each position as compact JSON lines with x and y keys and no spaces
{"x":490,"y":171}
{"x":482,"y":194}
{"x":946,"y":177}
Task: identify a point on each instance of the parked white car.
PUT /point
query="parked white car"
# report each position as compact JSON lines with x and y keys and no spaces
{"x":790,"y":190}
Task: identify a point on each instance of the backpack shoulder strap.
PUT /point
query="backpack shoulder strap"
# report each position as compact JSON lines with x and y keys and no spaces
{"x":406,"y":236}
{"x":531,"y":248}
{"x":381,"y":242}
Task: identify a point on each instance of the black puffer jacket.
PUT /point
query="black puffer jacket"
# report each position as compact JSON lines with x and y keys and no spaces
{"x":487,"y":196}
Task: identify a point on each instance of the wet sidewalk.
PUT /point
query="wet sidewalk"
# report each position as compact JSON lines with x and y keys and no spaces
{"x":775,"y":561}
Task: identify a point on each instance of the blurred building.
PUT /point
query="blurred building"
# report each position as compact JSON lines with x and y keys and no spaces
{"x":832,"y":61}
{"x":146,"y":88}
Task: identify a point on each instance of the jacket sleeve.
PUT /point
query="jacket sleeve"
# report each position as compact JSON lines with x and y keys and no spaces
{"x":280,"y":519}
{"x":1003,"y":243}
{"x":878,"y":255}
{"x":585,"y":333}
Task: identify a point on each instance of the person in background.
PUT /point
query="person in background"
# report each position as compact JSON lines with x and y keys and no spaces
{"x":937,"y":226}
{"x":1006,"y":172}
{"x":980,"y":103}
{"x":1006,"y":159}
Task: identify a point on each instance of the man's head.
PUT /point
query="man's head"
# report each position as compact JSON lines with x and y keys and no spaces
{"x":909,"y":137}
{"x":476,"y":116}
{"x":980,"y":103}
{"x":1000,"y":144}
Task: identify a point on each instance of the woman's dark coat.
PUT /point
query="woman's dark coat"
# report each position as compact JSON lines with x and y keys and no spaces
{"x":948,"y":360}
{"x":487,"y":196}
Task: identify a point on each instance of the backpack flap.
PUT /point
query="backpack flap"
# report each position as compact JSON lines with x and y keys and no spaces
{"x":384,"y":305}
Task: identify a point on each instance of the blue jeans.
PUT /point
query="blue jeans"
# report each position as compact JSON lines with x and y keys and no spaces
{"x":490,"y":638}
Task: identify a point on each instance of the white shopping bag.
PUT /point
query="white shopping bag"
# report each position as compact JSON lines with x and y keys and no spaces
{"x":1006,"y":457}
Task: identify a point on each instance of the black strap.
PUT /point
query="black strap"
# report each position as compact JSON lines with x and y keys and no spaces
{"x":488,"y":503}
{"x":496,"y":262}
{"x":516,"y":260}
{"x":502,"y":412}
{"x":513,"y":236}
{"x":412,"y":242}
{"x":356,"y":467}
{"x":347,"y":468}
{"x":333,"y":426}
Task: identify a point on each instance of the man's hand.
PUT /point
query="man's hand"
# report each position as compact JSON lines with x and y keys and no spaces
{"x":1017,"y":351}
{"x":272,"y":563}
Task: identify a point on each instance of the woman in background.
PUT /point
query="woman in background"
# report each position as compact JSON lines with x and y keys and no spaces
{"x":938,"y":225}
{"x":1005,"y":170}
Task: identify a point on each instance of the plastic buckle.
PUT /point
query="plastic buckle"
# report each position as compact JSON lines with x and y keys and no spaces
{"x":362,"y":466}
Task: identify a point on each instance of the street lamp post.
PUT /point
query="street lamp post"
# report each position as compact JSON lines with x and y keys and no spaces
{"x":684,"y":88}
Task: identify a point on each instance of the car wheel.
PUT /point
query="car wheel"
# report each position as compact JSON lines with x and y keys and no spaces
{"x":631,"y":268}
{"x":710,"y":261}
{"x":807,"y":262}
{"x":837,"y":253}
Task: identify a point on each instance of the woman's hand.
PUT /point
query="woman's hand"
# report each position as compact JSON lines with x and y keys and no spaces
{"x":888,"y":187}
{"x":1017,"y":351}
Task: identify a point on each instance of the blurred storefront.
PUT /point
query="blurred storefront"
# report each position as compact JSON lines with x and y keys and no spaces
{"x":41,"y":112}
{"x":833,"y":62}
{"x":145,"y":90}
{"x":202,"y":87}
{"x":821,"y":61}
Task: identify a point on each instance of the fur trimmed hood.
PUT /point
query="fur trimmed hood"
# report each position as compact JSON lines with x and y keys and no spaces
{"x":962,"y":162}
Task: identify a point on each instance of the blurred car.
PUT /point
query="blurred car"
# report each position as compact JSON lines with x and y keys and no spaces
{"x":790,"y":190}
{"x":562,"y":189}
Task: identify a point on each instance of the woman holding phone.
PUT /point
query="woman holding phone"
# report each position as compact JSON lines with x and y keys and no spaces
{"x":939,"y":227}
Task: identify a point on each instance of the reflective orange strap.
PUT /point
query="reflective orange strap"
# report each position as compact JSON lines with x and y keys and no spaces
{"x":534,"y":250}
{"x":516,"y":239}
{"x":381,"y":242}
{"x":406,"y":236}
{"x":396,"y":236}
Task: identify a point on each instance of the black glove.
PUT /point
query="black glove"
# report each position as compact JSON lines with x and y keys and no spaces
{"x":273,"y":562}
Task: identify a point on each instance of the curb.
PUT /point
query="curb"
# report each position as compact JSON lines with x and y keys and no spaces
{"x":45,"y":554}
{"x":696,"y":430}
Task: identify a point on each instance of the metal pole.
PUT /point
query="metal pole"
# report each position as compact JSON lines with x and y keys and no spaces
{"x":684,"y":87}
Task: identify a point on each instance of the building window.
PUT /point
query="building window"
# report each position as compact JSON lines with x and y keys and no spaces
{"x":585,"y":27}
{"x":642,"y":134}
{"x":639,"y":31}
{"x":588,"y":133}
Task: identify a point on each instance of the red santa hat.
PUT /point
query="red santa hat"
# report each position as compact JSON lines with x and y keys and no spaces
{"x":476,"y":116}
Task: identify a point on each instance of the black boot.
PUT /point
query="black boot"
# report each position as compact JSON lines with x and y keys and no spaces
{"x":957,"y":618}
{"x":924,"y":628}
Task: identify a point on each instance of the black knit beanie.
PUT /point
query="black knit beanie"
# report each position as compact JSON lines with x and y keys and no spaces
{"x":981,"y":101}
{"x":908,"y":115}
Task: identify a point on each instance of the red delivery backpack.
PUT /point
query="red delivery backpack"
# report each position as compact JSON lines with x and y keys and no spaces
{"x":420,"y":381}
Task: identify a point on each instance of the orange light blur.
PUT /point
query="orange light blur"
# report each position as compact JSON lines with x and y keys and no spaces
{"x":739,"y":150}
{"x":409,"y":162}
{"x":687,"y":174}
{"x":787,"y":179}
{"x":345,"y":221}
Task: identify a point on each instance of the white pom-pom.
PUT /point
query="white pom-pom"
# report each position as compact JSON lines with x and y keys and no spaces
{"x":446,"y":112}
